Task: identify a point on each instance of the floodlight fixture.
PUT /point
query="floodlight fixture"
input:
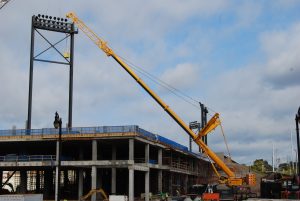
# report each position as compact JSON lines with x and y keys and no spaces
{"x":194,"y":125}
{"x":50,"y":23}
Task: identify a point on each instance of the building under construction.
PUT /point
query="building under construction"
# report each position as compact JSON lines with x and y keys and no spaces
{"x":122,"y":160}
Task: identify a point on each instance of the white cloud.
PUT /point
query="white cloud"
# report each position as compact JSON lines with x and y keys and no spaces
{"x":257,"y":102}
{"x":253,"y":110}
{"x":248,"y":12}
{"x":286,"y":3}
{"x":183,"y":76}
{"x":283,"y":50}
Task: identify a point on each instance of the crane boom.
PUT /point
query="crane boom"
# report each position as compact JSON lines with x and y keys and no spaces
{"x":3,"y":2}
{"x":232,"y":179}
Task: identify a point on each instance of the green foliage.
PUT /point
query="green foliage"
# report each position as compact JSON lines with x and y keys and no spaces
{"x":261,"y":165}
{"x":287,"y":168}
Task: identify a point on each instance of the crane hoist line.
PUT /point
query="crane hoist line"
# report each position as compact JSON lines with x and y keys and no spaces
{"x":231,"y":180}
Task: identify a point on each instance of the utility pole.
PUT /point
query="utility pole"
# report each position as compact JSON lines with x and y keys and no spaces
{"x":297,"y":119}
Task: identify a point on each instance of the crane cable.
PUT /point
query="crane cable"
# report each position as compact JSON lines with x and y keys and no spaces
{"x":225,"y":140}
{"x":177,"y":93}
{"x":163,"y":84}
{"x":167,"y":86}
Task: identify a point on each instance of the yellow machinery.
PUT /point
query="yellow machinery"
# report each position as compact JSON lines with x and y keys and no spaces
{"x":231,"y":180}
{"x":89,"y":194}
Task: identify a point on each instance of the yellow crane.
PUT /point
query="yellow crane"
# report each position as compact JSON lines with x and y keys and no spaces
{"x":231,"y":180}
{"x":3,"y":3}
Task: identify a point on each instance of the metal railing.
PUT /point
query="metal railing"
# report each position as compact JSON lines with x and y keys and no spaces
{"x":20,"y":158}
{"x":95,"y":130}
{"x":74,"y":130}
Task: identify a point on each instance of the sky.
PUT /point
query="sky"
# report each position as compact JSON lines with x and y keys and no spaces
{"x":239,"y":58}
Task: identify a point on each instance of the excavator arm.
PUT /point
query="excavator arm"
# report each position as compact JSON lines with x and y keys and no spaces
{"x":231,"y":180}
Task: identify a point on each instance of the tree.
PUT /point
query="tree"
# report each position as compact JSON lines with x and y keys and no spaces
{"x":261,"y":165}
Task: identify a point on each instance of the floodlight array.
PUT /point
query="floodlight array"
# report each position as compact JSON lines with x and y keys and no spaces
{"x":51,"y":23}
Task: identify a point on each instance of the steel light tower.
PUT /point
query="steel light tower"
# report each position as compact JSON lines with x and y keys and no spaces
{"x":67,"y":30}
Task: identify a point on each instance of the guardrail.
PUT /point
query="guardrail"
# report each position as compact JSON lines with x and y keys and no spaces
{"x":20,"y":158}
{"x":75,"y":130}
{"x":96,"y":130}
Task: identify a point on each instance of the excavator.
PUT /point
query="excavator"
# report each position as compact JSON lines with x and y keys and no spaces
{"x":231,"y":179}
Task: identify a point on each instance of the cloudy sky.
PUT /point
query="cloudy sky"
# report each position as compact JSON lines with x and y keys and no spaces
{"x":240,"y":58}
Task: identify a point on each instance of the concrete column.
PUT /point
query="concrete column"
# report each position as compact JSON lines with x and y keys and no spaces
{"x":66,"y":178}
{"x":94,"y":150}
{"x":131,"y":171}
{"x":80,"y":175}
{"x":99,"y":178}
{"x":159,"y":157}
{"x":48,"y":183}
{"x":1,"y":177}
{"x":80,"y":183}
{"x":186,"y":177}
{"x":131,"y":149}
{"x":94,"y":169}
{"x":113,"y":181}
{"x":37,"y":181}
{"x":147,"y":175}
{"x":113,"y":171}
{"x":159,"y":180}
{"x":170,"y":183}
{"x":94,"y":181}
{"x":99,"y":182}
{"x":147,"y":157}
{"x":131,"y":185}
{"x":23,"y":184}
